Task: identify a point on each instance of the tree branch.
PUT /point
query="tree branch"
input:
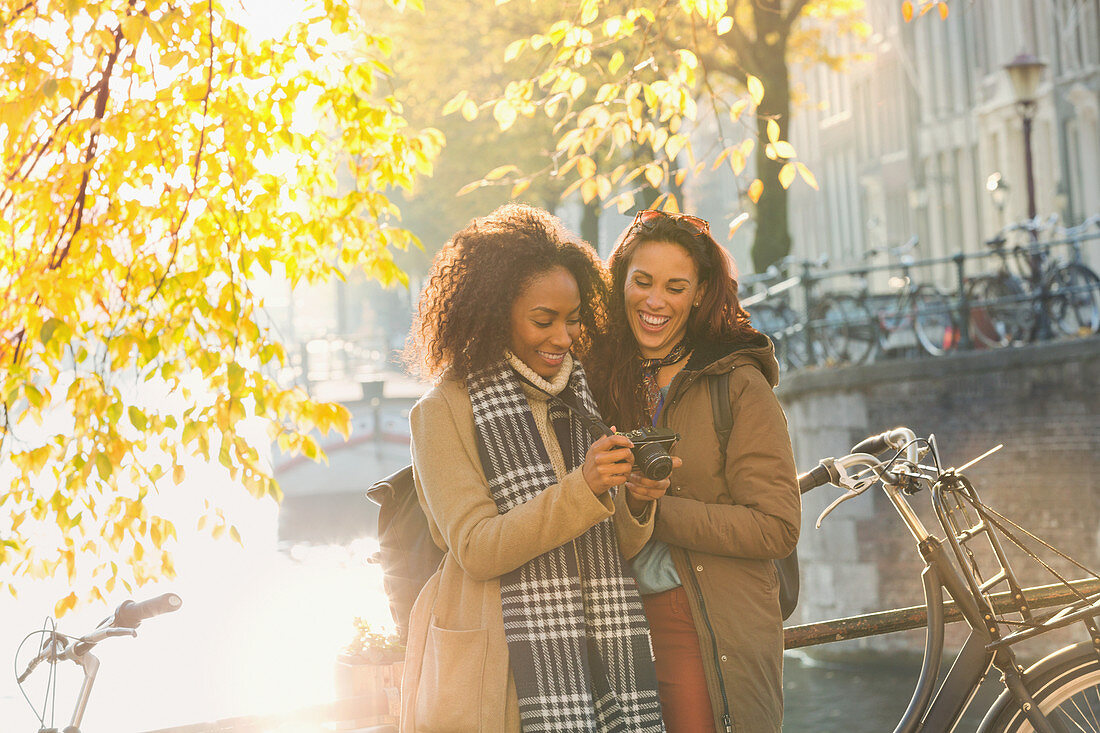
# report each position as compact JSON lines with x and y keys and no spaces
{"x":198,"y":151}
{"x":792,"y":14}
{"x":76,"y":213}
{"x":15,"y":16}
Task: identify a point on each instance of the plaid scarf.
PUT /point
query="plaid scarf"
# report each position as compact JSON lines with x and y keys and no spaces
{"x":650,"y":367}
{"x":578,"y":641}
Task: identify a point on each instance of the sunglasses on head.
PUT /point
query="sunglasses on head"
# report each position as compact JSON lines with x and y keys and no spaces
{"x":648,"y":218}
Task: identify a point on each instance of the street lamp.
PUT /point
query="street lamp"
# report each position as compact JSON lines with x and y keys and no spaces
{"x":1024,"y":71}
{"x":998,"y":190}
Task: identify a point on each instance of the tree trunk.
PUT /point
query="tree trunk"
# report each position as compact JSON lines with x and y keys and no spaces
{"x":590,"y":224}
{"x":773,"y":238}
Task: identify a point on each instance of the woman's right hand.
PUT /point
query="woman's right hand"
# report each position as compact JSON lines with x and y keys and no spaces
{"x":608,"y":463}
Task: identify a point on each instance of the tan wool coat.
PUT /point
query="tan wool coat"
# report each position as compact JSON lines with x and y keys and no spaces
{"x":725,"y":524}
{"x":456,"y":675}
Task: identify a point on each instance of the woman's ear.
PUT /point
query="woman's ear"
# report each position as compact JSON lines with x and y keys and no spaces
{"x":699,"y":295}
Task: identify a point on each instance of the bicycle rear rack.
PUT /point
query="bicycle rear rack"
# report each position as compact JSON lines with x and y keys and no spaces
{"x":965,"y":518}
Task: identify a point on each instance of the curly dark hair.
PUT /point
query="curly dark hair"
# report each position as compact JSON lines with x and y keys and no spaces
{"x":614,"y":369}
{"x":463,"y":320}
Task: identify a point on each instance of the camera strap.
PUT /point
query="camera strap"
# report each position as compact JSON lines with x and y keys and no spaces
{"x":593,"y":424}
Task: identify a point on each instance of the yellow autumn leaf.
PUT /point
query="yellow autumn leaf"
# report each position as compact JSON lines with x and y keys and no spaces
{"x":469,"y":110}
{"x":590,"y":9}
{"x":784,"y":149}
{"x":773,"y":130}
{"x":514,"y":49}
{"x":519,"y":188}
{"x":725,"y":25}
{"x":603,"y":187}
{"x":786,"y":175}
{"x":504,"y":113}
{"x":654,"y":175}
{"x":738,"y":161}
{"x":589,"y":190}
{"x":472,"y":186}
{"x":807,"y":176}
{"x":586,"y":167}
{"x":756,"y":89}
{"x":616,"y":62}
{"x":907,"y":10}
{"x":454,"y":103}
{"x":943,"y":11}
{"x":756,"y":188}
{"x":499,"y":172}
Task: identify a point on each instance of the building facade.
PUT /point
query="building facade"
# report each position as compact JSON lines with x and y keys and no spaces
{"x":905,"y":138}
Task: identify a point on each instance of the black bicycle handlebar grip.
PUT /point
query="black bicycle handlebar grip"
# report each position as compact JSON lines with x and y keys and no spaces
{"x":822,"y":473}
{"x":874,"y":445}
{"x":130,"y":614}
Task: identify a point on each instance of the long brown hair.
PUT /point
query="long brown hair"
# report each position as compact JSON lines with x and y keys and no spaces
{"x":614,"y":367}
{"x":463,"y":320}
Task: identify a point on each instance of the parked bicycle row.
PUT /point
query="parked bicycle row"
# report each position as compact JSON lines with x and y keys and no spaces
{"x":1037,"y":288}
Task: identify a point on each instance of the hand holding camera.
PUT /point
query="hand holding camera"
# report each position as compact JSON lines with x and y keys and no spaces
{"x":608,"y":462}
{"x":642,"y":488}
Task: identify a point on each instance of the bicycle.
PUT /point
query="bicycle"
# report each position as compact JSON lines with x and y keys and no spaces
{"x":1011,"y":308}
{"x":1060,"y":692}
{"x":855,"y":328}
{"x":771,"y":310}
{"x":57,"y":647}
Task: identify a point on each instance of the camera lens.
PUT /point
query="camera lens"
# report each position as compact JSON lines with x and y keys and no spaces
{"x":653,"y":460}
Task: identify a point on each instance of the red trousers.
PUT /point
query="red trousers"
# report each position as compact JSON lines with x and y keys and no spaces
{"x":681,"y":682}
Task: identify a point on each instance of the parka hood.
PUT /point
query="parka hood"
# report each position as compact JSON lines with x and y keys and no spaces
{"x":718,"y":357}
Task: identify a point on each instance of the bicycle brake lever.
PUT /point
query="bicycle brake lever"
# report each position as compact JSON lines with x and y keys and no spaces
{"x":854,"y":485}
{"x":850,"y":494}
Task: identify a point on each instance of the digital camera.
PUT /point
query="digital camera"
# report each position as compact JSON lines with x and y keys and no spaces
{"x":651,"y":446}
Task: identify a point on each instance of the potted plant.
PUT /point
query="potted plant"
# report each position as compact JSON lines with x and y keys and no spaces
{"x":368,"y":676}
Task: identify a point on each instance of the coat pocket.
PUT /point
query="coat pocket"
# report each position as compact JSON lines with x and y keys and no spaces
{"x":449,"y":696}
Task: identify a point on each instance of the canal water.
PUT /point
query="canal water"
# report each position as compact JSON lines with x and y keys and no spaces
{"x":866,"y":692}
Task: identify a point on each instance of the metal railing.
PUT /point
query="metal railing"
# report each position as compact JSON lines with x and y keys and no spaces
{"x":799,"y":296}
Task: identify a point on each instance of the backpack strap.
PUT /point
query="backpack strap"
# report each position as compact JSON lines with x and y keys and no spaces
{"x":719,"y":386}
{"x":786,"y":568}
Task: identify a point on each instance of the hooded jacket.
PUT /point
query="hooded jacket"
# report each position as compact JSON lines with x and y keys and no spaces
{"x":726,"y":520}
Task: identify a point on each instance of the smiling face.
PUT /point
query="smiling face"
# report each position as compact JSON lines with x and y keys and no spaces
{"x":662,"y":284}
{"x":545,"y":321}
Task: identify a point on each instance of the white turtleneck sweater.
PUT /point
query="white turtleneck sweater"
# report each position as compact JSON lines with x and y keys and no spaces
{"x":540,"y":406}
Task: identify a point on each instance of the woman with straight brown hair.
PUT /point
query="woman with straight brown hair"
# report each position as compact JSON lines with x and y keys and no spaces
{"x":707,"y":579}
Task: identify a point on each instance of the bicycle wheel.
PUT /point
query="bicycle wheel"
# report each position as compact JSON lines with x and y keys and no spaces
{"x":999,"y":310}
{"x":1073,"y":300}
{"x":1068,"y":695}
{"x":767,"y":319}
{"x":934,"y":321}
{"x":794,"y":338}
{"x":844,"y":330}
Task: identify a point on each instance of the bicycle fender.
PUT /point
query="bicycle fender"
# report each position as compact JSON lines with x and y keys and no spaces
{"x":1048,"y":662}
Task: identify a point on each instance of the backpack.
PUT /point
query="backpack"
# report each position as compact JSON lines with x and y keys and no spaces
{"x":787,"y":567}
{"x":407,"y":554}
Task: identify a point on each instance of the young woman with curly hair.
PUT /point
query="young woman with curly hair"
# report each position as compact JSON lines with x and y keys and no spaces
{"x":708,"y":582}
{"x":532,"y":621}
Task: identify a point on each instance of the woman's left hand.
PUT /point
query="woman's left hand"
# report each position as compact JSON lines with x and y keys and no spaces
{"x":641,"y":490}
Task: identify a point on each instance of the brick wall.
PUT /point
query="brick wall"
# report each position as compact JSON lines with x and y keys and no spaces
{"x":1042,"y":402}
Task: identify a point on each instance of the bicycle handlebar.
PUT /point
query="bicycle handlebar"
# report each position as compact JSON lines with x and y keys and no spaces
{"x":823,"y":473}
{"x":882,"y":442}
{"x":130,"y":615}
{"x":123,"y":622}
